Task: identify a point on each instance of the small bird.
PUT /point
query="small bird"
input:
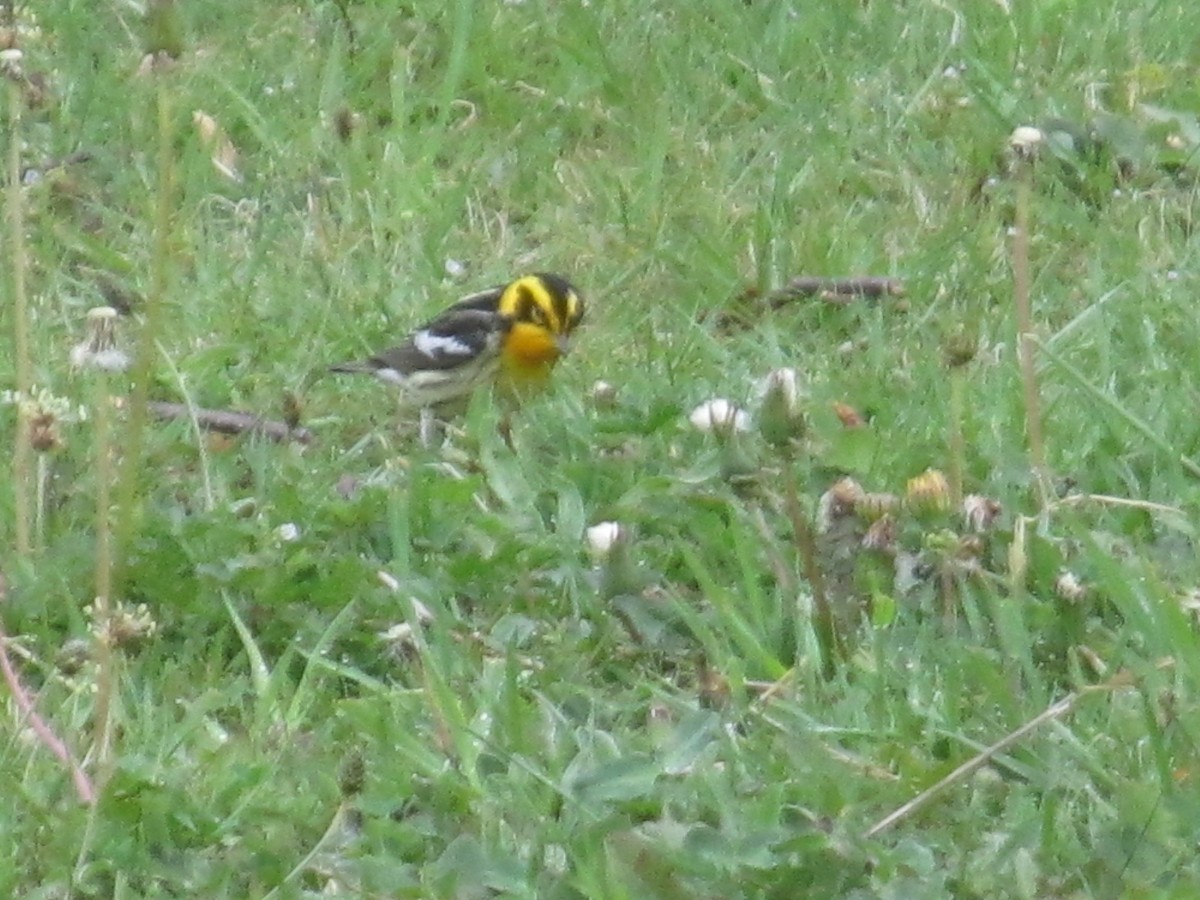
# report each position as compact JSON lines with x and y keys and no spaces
{"x":510,"y":335}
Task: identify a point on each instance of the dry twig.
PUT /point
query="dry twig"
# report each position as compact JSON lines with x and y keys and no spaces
{"x":227,"y":421}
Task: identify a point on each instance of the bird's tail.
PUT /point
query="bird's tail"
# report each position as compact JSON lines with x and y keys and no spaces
{"x":360,"y":367}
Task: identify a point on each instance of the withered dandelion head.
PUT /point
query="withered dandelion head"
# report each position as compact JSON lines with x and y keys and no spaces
{"x":100,"y":350}
{"x":980,"y":512}
{"x":125,"y":627}
{"x":840,"y":501}
{"x":881,"y":535}
{"x":44,"y":435}
{"x":1068,"y":586}
{"x":10,"y":63}
{"x":44,"y":412}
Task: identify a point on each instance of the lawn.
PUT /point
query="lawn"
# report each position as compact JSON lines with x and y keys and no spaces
{"x":870,"y":639}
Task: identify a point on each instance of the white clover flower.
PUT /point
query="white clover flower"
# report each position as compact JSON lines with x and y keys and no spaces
{"x":604,"y":395}
{"x":287,"y":532}
{"x":1068,"y":586}
{"x":602,"y":537}
{"x":720,"y":417}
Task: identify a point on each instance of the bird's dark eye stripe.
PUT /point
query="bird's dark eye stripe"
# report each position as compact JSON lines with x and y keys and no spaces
{"x":526,"y":303}
{"x":569,"y":308}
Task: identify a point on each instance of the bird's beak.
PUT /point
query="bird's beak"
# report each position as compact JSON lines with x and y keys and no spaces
{"x":563,"y":343}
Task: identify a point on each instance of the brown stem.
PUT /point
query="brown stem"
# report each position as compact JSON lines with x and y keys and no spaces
{"x":83,"y":786}
{"x":106,"y":677}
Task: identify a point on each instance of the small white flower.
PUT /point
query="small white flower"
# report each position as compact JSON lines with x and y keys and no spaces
{"x":288,"y":532}
{"x":720,"y":416}
{"x":602,"y":537}
{"x":1069,"y":587}
{"x":455,"y":268}
{"x":604,"y":395}
{"x":1026,"y":140}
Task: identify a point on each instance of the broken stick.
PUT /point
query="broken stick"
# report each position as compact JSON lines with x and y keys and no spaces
{"x":227,"y":421}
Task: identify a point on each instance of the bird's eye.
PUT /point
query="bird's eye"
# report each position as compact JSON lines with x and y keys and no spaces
{"x":538,"y":316}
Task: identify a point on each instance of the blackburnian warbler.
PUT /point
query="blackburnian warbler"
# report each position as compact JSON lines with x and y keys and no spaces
{"x":510,"y":335}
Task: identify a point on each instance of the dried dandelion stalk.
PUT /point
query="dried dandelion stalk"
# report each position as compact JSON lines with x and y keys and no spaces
{"x":825,"y":626}
{"x":99,"y":356}
{"x":1026,"y":339}
{"x":22,"y":458}
{"x":1055,"y":710}
{"x":127,"y":493}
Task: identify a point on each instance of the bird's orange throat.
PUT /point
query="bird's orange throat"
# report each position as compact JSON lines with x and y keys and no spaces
{"x":530,"y":349}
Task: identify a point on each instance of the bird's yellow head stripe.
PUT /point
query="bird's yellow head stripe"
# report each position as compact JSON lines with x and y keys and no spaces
{"x":544,"y":301}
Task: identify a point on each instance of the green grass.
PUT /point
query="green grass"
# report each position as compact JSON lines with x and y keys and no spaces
{"x":554,"y":729}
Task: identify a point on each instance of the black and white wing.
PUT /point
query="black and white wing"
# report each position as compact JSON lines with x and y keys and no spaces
{"x":443,"y":359}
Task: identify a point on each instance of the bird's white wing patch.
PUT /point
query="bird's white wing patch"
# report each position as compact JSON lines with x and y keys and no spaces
{"x":434,"y":345}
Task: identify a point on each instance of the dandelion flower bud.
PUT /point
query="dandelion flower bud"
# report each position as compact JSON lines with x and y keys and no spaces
{"x":618,"y":572}
{"x":873,"y":505}
{"x":929,"y":492}
{"x":781,"y":416}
